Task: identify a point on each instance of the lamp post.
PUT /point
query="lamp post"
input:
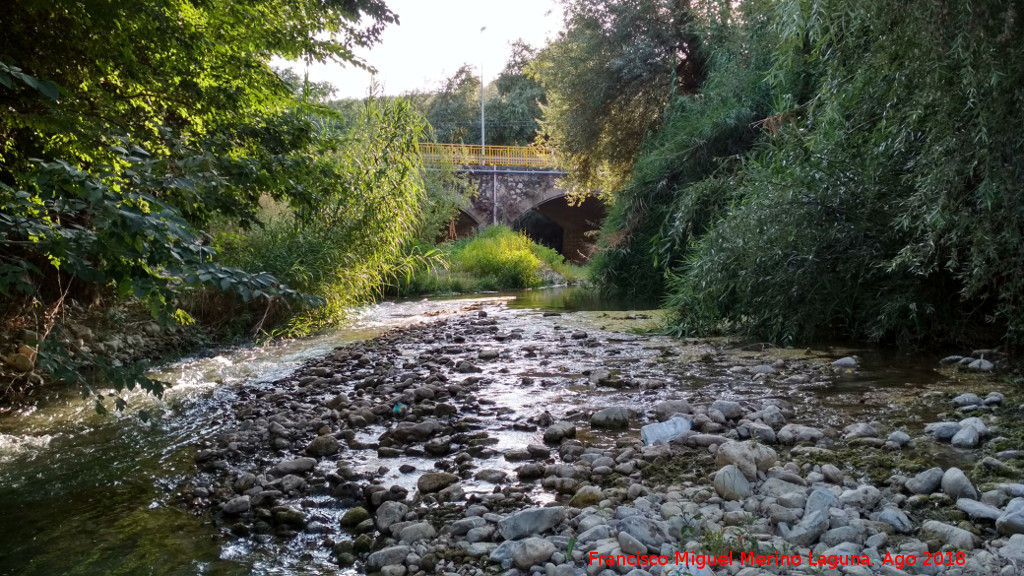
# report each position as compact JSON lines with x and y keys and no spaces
{"x":483,"y":143}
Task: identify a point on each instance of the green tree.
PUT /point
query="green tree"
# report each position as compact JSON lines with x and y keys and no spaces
{"x":129,"y":126}
{"x":608,"y":78}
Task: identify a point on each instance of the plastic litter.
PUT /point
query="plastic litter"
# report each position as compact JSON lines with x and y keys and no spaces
{"x":666,"y":431}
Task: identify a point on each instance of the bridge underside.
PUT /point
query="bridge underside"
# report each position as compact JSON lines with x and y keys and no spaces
{"x":567,"y":229}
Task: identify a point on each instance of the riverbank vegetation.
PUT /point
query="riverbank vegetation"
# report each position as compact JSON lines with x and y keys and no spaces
{"x":121,"y":150}
{"x":497,"y":258}
{"x":813,"y":170}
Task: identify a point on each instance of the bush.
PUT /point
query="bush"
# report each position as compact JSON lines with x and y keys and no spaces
{"x":497,"y":258}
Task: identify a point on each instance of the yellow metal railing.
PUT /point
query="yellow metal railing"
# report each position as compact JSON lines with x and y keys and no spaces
{"x":476,"y":155}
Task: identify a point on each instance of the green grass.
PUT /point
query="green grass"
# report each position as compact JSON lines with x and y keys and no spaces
{"x":497,"y":258}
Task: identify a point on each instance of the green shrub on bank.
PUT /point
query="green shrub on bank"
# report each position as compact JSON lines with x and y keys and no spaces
{"x":497,"y":258}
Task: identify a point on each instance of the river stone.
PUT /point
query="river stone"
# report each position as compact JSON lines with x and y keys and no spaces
{"x":435,"y":481}
{"x":665,"y":410}
{"x":966,"y":437}
{"x":994,"y":398}
{"x":731,"y":410}
{"x":897,"y":519}
{"x":977,"y":510}
{"x":1011,"y":521}
{"x":956,"y":484}
{"x":390,"y":512}
{"x":807,"y":531}
{"x":354,"y":517}
{"x":645,"y":530}
{"x":614,"y":417}
{"x":967,"y":400}
{"x":491,"y":475}
{"x":762,"y":369}
{"x":530,"y":522}
{"x":821,"y":500}
{"x":236,"y":505}
{"x":630,"y":545}
{"x":532,"y":552}
{"x":865,"y":497}
{"x":795,"y":433}
{"x":325,"y":445}
{"x":732,"y":484}
{"x":951,"y":535}
{"x":925,"y":482}
{"x":559,"y":431}
{"x":297,"y":466}
{"x":586,"y":496}
{"x":942,"y":430}
{"x":859,"y":430}
{"x":419,"y":432}
{"x":747,"y":456}
{"x":289,"y":516}
{"x":981,"y":365}
{"x":599,"y":532}
{"x":390,"y":556}
{"x":845,"y":362}
{"x":415,"y":532}
{"x":899,"y":438}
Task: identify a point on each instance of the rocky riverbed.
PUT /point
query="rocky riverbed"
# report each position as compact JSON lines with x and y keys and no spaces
{"x":507,"y":442}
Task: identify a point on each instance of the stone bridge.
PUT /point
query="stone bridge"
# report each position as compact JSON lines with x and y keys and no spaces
{"x":518,"y":186}
{"x":532,"y":201}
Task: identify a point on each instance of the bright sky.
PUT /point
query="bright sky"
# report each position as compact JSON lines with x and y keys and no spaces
{"x":436,"y":37}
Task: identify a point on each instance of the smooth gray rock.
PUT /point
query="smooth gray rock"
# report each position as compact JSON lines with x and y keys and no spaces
{"x":1011,"y":521}
{"x":729,"y":409}
{"x":530,"y":522}
{"x":665,"y":410}
{"x":236,"y":505}
{"x":650,"y":532}
{"x":612,"y":418}
{"x":415,"y":532}
{"x":859,"y":430}
{"x":390,"y":556}
{"x":435,"y":481}
{"x":296,"y":466}
{"x":807,"y":531}
{"x":897,"y":519}
{"x":925,"y":482}
{"x":966,"y":437}
{"x":1013,"y":550}
{"x":955,"y":537}
{"x":630,"y":545}
{"x":821,"y":500}
{"x":899,"y":438}
{"x":981,"y":365}
{"x":749,"y":457}
{"x":531,"y":552}
{"x":731,"y":484}
{"x":463,"y":526}
{"x":967,"y":400}
{"x":559,"y":431}
{"x":794,"y":433}
{"x":977,"y":510}
{"x":942,"y":430}
{"x":956,"y":485}
{"x":389,"y":513}
{"x":846,"y":362}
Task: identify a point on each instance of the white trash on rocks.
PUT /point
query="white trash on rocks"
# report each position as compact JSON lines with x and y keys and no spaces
{"x":666,"y":431}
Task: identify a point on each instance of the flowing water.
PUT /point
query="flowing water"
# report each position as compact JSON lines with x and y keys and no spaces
{"x":82,"y":493}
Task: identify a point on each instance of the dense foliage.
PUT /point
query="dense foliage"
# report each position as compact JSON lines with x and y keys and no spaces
{"x":129,"y":127}
{"x":497,"y":258}
{"x":608,"y":78}
{"x":847,"y":169}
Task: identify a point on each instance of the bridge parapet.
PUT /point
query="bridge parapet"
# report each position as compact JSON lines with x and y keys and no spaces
{"x":475,"y":155}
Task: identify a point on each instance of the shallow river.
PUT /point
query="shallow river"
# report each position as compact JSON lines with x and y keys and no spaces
{"x":82,"y":493}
